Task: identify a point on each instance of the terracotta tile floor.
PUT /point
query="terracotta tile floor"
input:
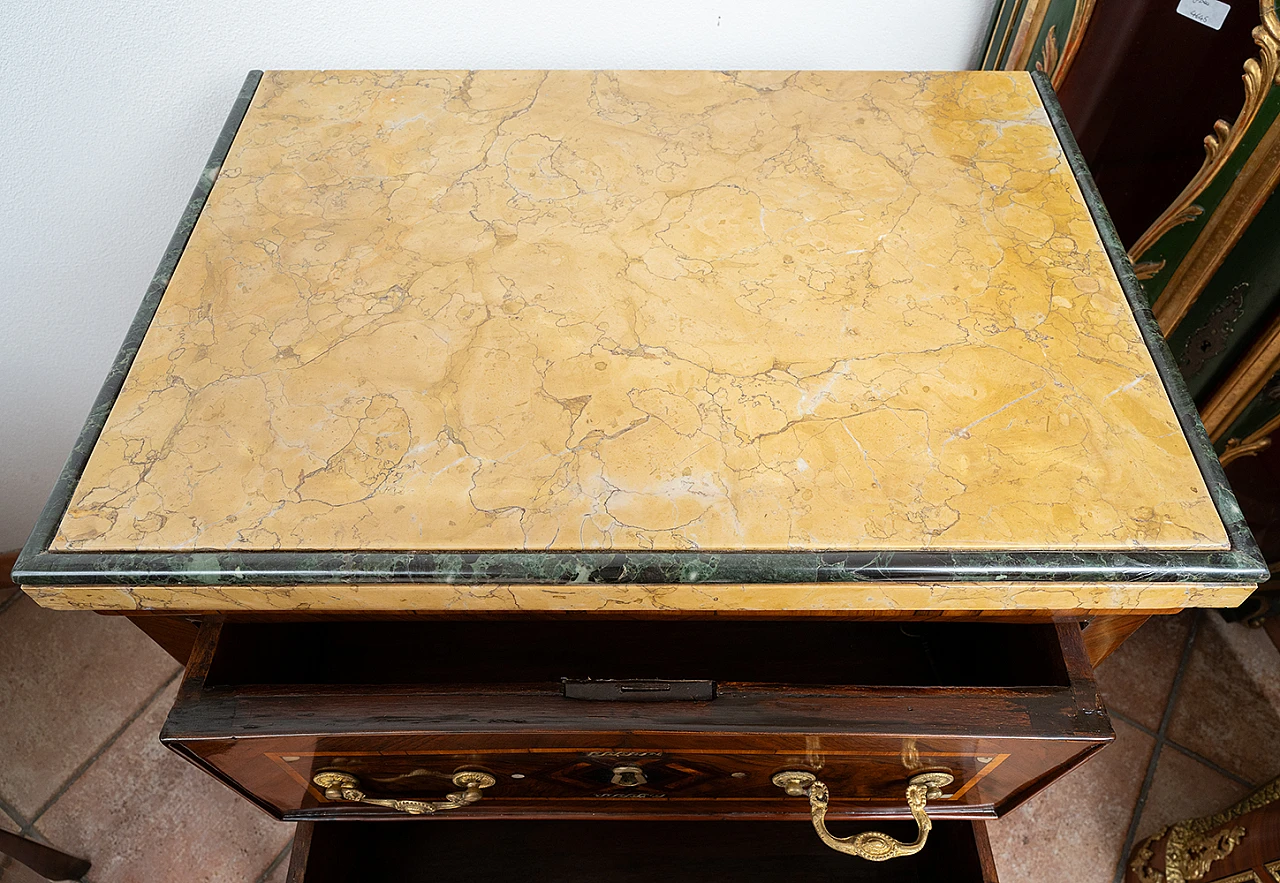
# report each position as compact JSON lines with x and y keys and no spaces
{"x":82,"y":699}
{"x":1195,"y":703}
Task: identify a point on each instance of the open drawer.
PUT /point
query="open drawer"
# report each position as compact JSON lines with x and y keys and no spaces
{"x":619,"y":852}
{"x":365,"y":719}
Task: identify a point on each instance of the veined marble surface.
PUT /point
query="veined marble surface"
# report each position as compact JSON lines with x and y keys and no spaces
{"x":1068,"y":598}
{"x":643,"y":310}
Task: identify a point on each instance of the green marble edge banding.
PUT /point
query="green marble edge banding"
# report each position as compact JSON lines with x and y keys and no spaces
{"x":37,"y":566}
{"x":1174,"y":384}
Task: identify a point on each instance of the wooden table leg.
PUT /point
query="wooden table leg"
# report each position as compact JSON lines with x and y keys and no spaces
{"x":1104,"y":634}
{"x":44,"y":860}
{"x":176,"y":635}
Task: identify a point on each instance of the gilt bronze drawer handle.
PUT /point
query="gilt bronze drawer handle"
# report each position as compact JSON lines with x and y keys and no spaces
{"x":338,"y":785}
{"x":871,"y":845}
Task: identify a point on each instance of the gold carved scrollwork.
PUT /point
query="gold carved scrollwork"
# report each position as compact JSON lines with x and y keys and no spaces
{"x":1237,"y":448}
{"x":1194,"y":845}
{"x":1075,"y":36}
{"x":1259,"y":76}
{"x":1140,"y":864}
{"x":1057,"y":50}
{"x":1048,"y":62}
{"x":1147,"y":269}
{"x":1189,"y":859}
{"x":1200,"y":852}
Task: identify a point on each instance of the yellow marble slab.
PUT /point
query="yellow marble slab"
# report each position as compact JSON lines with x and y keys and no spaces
{"x":779,"y":598}
{"x":643,"y":310}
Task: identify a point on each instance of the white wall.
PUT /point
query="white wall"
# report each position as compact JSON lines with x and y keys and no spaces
{"x":108,"y":111}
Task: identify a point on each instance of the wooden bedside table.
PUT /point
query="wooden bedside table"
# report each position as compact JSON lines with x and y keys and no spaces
{"x":643,"y":445}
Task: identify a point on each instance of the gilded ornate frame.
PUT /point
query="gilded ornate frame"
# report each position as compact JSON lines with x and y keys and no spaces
{"x":1194,"y":845}
{"x":1246,"y":193}
{"x":1014,"y":46}
{"x":1244,"y":383}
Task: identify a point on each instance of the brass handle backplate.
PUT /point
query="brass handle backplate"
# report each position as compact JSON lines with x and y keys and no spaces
{"x":871,"y":845}
{"x":338,"y":785}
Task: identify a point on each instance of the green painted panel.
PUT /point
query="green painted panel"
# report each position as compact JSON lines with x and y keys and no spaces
{"x":1235,"y":307}
{"x":1008,"y":16}
{"x":1058,"y":17}
{"x":1004,"y":19}
{"x":1259,"y":412}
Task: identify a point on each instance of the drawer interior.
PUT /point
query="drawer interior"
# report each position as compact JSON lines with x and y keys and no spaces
{"x":523,"y":652}
{"x":622,"y":852}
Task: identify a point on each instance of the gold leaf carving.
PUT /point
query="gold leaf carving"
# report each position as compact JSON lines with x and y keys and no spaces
{"x":1140,"y":864}
{"x":1188,"y":849}
{"x":1203,"y":851}
{"x":1192,"y":211}
{"x":1237,"y":448}
{"x":1075,"y":36}
{"x":1260,"y":74}
{"x":1196,"y":843}
{"x":1049,"y":53}
{"x":1147,"y":269}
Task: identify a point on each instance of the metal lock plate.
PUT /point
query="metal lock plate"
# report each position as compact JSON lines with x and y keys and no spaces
{"x":638,"y":690}
{"x":628,"y":776}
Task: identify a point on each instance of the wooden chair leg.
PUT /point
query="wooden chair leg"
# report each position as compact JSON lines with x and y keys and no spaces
{"x":44,"y":860}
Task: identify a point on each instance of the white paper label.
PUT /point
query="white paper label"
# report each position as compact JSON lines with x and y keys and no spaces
{"x":1208,"y":12}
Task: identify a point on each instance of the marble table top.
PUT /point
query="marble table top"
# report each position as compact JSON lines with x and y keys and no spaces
{"x":581,"y":318}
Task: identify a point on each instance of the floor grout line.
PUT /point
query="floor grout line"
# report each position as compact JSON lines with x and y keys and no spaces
{"x":11,"y":600}
{"x":6,"y":575}
{"x":13,"y":813}
{"x":111,"y":740}
{"x":1125,"y":719}
{"x":1182,"y":749}
{"x":1170,"y":701}
{"x":276,"y":862}
{"x":1222,"y":771}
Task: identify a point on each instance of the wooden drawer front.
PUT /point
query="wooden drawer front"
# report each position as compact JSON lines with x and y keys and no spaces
{"x":557,"y":757}
{"x":729,"y":776}
{"x":612,"y":852}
